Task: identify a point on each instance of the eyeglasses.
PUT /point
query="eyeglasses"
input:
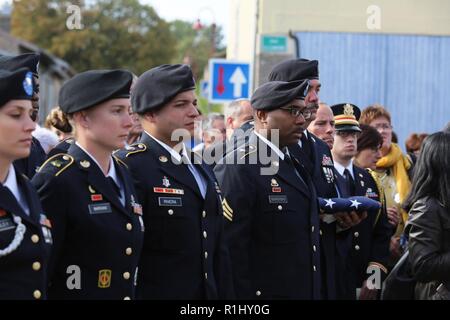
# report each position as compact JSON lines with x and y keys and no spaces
{"x":295,"y":112}
{"x":383,"y":126}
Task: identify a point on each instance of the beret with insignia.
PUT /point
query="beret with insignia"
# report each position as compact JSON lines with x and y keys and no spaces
{"x":346,"y":116}
{"x":275,"y":94}
{"x":15,"y":85}
{"x":159,"y":85}
{"x":90,"y":88}
{"x":295,"y":69}
{"x":357,"y":203}
{"x":27,"y":60}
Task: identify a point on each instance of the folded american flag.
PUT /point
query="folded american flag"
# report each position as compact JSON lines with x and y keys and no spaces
{"x":356,"y":203}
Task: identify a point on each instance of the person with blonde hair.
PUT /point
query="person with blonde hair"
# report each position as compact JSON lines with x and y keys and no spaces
{"x":391,"y":169}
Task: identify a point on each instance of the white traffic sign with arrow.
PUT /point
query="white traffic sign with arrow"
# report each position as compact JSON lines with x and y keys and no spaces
{"x":238,"y":79}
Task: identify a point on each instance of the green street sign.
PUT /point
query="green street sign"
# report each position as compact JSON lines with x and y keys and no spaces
{"x":274,"y":44}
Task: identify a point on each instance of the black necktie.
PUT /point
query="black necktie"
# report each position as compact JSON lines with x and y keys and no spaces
{"x":288,"y":159}
{"x":306,"y":147}
{"x":350,"y":182}
{"x":114,"y":186}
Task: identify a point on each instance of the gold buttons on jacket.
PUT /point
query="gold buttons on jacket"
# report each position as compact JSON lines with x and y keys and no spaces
{"x":357,"y":248}
{"x":36,"y":266}
{"x":127,"y":298}
{"x":280,"y":207}
{"x":204,"y":214}
{"x":206,"y":276}
{"x":129,"y":226}
{"x":314,"y":248}
{"x":170,"y":212}
{"x":258,"y":293}
{"x":205,"y":235}
{"x":126,"y":275}
{"x":37,"y":294}
{"x":128,"y":251}
{"x":206,"y":254}
{"x":312,"y":229}
{"x":35,"y":238}
{"x":314,"y":268}
{"x":356,"y":234}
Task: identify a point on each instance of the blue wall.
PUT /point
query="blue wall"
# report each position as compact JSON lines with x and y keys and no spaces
{"x":409,"y":75}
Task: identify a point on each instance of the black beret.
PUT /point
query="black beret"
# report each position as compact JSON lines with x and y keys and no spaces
{"x":295,"y":69}
{"x":15,"y":85}
{"x":346,"y":116}
{"x":275,"y":94}
{"x":159,"y":85}
{"x":27,"y":60}
{"x":90,"y":88}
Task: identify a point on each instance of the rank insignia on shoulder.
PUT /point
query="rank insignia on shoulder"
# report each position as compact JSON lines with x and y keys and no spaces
{"x":326,"y":161}
{"x":60,"y":161}
{"x":276,"y":189}
{"x":136,"y":148}
{"x":56,"y":163}
{"x":227,"y":211}
{"x":104,"y":278}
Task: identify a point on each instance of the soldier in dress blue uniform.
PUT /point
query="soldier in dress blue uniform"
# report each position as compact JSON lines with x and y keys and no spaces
{"x":270,"y":203}
{"x":89,"y":195}
{"x":25,"y":231}
{"x":184,"y":254}
{"x":316,"y":156}
{"x":367,"y":244}
{"x":30,"y":164}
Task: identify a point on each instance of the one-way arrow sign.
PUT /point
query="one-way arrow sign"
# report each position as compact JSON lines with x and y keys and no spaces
{"x":238,"y":79}
{"x":229,"y":80}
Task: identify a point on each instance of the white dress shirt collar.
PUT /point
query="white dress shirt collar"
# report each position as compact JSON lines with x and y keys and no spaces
{"x":340,"y":168}
{"x":11,"y":184}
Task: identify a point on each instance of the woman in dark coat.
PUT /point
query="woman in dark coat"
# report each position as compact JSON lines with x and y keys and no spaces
{"x":429,"y":222}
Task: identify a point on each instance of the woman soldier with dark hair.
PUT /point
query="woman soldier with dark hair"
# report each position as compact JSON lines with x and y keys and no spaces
{"x":25,"y":236}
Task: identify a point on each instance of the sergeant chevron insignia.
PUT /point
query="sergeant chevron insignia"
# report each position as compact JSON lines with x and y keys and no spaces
{"x":227,"y":211}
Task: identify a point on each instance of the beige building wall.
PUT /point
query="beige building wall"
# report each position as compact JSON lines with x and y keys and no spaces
{"x":430,"y":17}
{"x":242,"y":30}
{"x":252,"y":19}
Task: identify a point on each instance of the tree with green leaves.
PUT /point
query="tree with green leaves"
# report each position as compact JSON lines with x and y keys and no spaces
{"x":114,"y":33}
